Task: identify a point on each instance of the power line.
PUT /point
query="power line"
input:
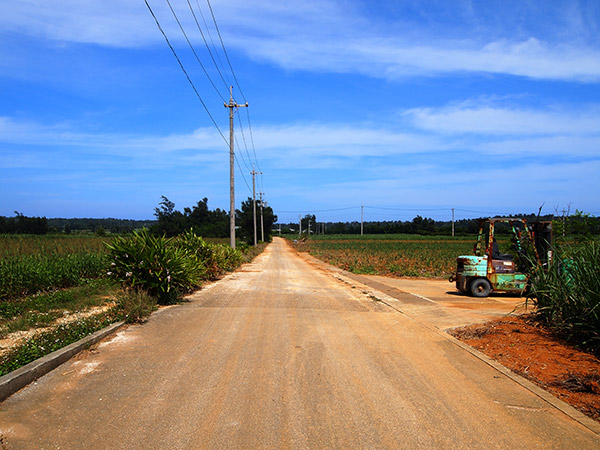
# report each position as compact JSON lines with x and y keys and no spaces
{"x":194,"y":51}
{"x":205,"y":41}
{"x":224,"y":50}
{"x":252,"y":139}
{"x":245,"y":144}
{"x":236,"y":81}
{"x":242,"y":172}
{"x":407,"y":209}
{"x":211,"y":40}
{"x":243,"y":159}
{"x":319,"y":210}
{"x":184,"y":71}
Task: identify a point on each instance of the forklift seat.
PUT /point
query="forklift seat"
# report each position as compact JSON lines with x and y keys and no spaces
{"x":497,"y":255}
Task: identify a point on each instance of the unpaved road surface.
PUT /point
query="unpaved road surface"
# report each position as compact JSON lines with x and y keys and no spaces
{"x":283,"y":354}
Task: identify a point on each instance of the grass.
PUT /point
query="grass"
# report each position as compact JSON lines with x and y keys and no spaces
{"x":58,"y":337}
{"x":29,"y":264}
{"x":49,"y":244}
{"x":42,"y":309}
{"x":401,"y":255}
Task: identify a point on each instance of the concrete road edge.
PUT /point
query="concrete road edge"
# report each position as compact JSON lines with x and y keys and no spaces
{"x":18,"y":379}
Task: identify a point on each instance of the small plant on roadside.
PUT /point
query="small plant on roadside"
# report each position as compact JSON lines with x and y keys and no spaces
{"x":136,"y":304}
{"x":46,"y":342}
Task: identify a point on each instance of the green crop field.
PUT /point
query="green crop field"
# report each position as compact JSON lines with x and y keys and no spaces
{"x":29,"y":264}
{"x":400,"y":255}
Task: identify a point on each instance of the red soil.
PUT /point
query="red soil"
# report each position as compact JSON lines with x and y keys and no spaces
{"x":534,"y":352}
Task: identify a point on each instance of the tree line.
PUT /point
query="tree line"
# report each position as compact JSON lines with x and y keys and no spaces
{"x":576,"y":224}
{"x":213,"y":223}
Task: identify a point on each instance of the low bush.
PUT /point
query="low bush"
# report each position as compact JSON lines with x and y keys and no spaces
{"x":567,"y":295}
{"x":135,"y":304}
{"x":155,"y":264}
{"x":217,"y":258}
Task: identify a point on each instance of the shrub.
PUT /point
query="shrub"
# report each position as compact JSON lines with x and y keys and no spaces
{"x":567,"y":295}
{"x":136,"y":304}
{"x":154,"y":264}
{"x":217,"y":258}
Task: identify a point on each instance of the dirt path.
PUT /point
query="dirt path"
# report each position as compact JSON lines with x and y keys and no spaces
{"x":283,"y":354}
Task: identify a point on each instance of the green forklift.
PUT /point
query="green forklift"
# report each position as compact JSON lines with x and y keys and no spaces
{"x":488,"y":270}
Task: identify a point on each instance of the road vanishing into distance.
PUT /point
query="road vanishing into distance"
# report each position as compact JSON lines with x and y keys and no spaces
{"x":283,"y":354}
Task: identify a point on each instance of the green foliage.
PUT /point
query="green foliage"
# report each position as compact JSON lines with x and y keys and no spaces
{"x":27,"y":274}
{"x":21,"y":224}
{"x":567,"y":295}
{"x":46,"y":342}
{"x":203,"y":221}
{"x":135,"y":304}
{"x":217,"y":258}
{"x":42,"y":309}
{"x":395,"y":255}
{"x":156,"y":264}
{"x":245,"y":221}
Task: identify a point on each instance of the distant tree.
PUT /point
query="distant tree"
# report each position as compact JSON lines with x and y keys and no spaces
{"x":170,"y":222}
{"x":245,"y":221}
{"x":309,"y":220}
{"x":202,"y":220}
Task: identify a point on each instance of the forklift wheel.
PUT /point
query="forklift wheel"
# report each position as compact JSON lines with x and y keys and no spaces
{"x":480,"y":287}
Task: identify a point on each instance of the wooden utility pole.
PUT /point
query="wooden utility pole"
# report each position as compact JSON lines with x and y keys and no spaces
{"x":254,"y":173}
{"x":452,"y":222}
{"x":262,"y":226}
{"x":361,"y":219}
{"x":232,"y":106}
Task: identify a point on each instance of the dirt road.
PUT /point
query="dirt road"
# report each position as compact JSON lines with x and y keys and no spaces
{"x":282,"y":354}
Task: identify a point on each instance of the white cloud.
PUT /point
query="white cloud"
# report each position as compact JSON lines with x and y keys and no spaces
{"x":468,"y":118}
{"x":313,"y":36}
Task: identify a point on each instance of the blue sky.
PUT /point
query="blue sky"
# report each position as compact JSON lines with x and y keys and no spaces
{"x":406,"y":107}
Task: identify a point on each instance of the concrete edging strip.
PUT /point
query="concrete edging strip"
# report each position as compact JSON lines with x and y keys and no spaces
{"x":18,"y":379}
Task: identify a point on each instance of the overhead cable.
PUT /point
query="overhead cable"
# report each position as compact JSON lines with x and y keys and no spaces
{"x":184,"y":71}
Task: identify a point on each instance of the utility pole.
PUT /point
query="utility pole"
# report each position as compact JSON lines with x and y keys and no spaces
{"x":452,"y":222}
{"x":300,"y":225}
{"x":361,"y":219}
{"x":232,"y":105}
{"x":254,"y":173}
{"x":262,"y":226}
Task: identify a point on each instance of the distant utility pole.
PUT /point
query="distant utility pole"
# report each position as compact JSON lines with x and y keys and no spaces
{"x":362,"y":208}
{"x":262,"y":226}
{"x":452,"y":222}
{"x":254,"y":173}
{"x":232,"y":105}
{"x":300,"y":225}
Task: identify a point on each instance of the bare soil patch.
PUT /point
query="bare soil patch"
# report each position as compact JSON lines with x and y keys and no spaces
{"x":533,"y":351}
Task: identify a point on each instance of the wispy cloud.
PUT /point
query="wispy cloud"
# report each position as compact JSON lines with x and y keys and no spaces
{"x":327,"y":36}
{"x":476,"y":117}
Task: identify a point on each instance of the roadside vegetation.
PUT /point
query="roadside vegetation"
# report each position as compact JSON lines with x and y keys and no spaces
{"x":399,"y":255}
{"x":56,"y":289}
{"x":567,"y":295}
